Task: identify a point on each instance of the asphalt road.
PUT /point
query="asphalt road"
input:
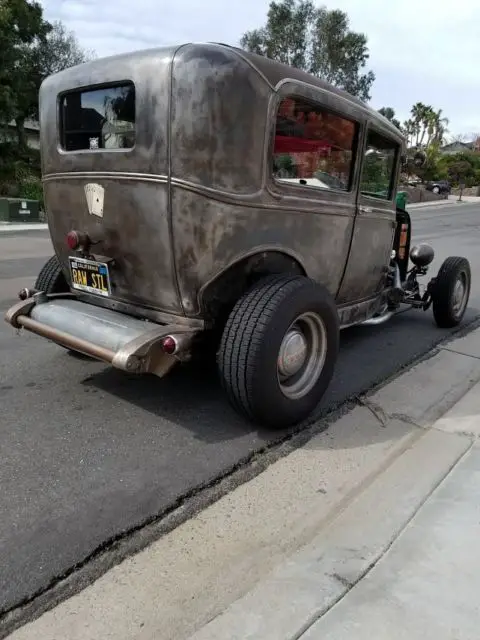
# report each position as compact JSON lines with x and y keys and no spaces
{"x":88,"y":453}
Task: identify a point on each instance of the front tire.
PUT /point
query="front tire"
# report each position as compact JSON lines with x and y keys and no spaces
{"x":279,"y":349}
{"x":451,"y":292}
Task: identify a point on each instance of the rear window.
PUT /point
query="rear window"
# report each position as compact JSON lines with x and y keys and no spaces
{"x":99,"y":118}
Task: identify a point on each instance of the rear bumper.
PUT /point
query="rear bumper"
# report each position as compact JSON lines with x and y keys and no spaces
{"x":125,"y":342}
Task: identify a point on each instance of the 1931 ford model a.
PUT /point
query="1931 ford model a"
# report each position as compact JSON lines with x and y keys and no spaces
{"x":201,"y":190}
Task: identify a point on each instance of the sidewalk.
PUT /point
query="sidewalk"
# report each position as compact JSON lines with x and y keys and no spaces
{"x":14,"y":227}
{"x":423,"y":585}
{"x":451,"y":200}
{"x":370,"y":528}
{"x":427,"y":585}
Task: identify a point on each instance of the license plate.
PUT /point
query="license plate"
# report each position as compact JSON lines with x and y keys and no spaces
{"x":90,"y":276}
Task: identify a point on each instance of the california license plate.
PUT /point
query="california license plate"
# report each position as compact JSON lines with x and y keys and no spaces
{"x":90,"y":276}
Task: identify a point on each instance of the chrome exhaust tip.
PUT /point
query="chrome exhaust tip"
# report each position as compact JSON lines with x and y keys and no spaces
{"x":379,"y":319}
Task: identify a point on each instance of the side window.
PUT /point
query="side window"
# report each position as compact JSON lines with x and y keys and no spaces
{"x":313,"y":146}
{"x":379,"y":165}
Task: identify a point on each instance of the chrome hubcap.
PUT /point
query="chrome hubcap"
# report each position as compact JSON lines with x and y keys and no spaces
{"x":459,"y":295}
{"x":293,"y":353}
{"x":302,"y":355}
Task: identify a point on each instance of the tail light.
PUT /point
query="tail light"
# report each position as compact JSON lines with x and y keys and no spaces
{"x":76,"y":239}
{"x":169,"y":345}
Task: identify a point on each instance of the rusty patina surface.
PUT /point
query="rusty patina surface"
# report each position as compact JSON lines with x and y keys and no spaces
{"x":195,"y":198}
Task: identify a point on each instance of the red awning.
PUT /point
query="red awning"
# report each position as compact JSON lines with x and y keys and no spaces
{"x":289,"y":144}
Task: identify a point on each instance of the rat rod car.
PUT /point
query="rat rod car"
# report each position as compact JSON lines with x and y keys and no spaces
{"x":200,"y":192}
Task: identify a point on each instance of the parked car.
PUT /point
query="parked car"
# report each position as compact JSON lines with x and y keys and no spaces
{"x":439,"y":186}
{"x":182,"y":203}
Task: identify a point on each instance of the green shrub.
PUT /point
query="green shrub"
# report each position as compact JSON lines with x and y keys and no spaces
{"x":31,"y":190}
{"x":20,"y":173}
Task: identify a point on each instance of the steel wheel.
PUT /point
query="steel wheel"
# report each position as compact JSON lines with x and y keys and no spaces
{"x":451,"y":292}
{"x":302,"y":355}
{"x":460,"y":295}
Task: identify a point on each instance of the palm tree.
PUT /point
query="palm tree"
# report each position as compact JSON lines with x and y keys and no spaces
{"x":419,"y":114}
{"x":408,"y":131}
{"x":441,"y":124}
{"x":431,"y":127}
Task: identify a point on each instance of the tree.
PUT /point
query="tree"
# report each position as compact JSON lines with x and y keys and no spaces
{"x":459,"y":172}
{"x":31,"y":49}
{"x":429,"y":168}
{"x":316,"y":40}
{"x":60,"y":50}
{"x":389,"y":114}
{"x":21,"y":25}
{"x":57,"y":50}
{"x":425,"y":126}
{"x":437,"y":127}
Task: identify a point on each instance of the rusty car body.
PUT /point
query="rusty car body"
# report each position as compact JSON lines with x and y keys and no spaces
{"x":202,"y":191}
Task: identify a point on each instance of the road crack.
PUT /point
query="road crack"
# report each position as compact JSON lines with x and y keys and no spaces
{"x":375,"y":409}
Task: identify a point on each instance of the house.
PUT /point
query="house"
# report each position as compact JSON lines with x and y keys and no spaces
{"x":458,"y":147}
{"x":32,"y":132}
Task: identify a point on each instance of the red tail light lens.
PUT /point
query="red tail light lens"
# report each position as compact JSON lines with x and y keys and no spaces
{"x":73,"y":240}
{"x":169,"y":345}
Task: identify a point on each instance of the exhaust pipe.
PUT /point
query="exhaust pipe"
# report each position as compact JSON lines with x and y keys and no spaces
{"x":396,"y":293}
{"x":379,"y":319}
{"x":397,"y":282}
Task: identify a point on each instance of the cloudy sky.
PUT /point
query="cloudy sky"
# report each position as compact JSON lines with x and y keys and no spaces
{"x":418,"y":50}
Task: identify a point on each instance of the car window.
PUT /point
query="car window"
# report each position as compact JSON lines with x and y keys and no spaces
{"x":99,"y":118}
{"x":313,"y":147}
{"x":378,"y":166}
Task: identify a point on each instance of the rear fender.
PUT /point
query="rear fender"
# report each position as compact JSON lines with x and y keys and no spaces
{"x":218,"y":296}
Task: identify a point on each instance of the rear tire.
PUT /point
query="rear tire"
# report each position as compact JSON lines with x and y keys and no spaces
{"x":451,"y":292}
{"x":51,"y":279}
{"x":279,"y":349}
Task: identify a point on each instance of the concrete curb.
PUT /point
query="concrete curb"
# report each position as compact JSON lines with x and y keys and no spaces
{"x":430,"y":203}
